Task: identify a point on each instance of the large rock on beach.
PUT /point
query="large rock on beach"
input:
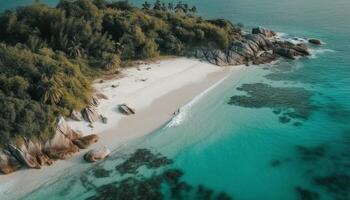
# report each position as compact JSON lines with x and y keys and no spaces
{"x":64,"y":129}
{"x":35,"y":149}
{"x":85,"y":142}
{"x":76,"y":115}
{"x":90,"y":114}
{"x":94,"y":101}
{"x":23,"y":156}
{"x":100,"y":95}
{"x":97,"y":154}
{"x":61,"y":145}
{"x":8,"y":163}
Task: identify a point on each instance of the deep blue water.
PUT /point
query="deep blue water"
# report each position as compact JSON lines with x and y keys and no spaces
{"x":247,"y":152}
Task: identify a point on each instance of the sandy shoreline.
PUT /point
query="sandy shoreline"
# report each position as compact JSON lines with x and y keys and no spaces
{"x":155,"y":91}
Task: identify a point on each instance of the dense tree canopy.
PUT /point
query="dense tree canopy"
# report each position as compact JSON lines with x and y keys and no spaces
{"x":48,"y":56}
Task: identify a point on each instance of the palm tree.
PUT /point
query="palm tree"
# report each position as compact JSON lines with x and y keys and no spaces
{"x":52,"y":92}
{"x":75,"y":49}
{"x":146,"y":6}
{"x":193,"y":9}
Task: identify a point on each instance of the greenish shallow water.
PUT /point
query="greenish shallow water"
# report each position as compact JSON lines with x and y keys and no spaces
{"x":241,"y":150}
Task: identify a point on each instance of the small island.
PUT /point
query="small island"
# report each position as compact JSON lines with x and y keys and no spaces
{"x":53,"y":60}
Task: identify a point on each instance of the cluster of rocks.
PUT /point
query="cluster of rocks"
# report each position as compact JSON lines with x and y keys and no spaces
{"x":35,"y":154}
{"x":90,"y":113}
{"x":259,"y":47}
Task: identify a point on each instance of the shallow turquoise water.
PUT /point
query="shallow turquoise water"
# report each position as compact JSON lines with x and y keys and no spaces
{"x":247,"y":152}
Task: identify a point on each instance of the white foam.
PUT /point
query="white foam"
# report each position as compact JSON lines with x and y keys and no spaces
{"x":315,"y":52}
{"x":280,"y":35}
{"x":184,"y":110}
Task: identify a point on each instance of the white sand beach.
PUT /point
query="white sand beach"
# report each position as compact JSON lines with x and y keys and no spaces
{"x":154,"y":90}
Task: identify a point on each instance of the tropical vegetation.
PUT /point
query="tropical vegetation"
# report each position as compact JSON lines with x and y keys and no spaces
{"x":49,"y":56}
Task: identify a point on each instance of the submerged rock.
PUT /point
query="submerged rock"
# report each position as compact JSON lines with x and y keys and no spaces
{"x":86,"y":141}
{"x":275,"y":163}
{"x":97,"y":154}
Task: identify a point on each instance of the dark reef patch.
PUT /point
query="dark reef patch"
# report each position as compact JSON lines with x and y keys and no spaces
{"x":297,"y":124}
{"x":288,"y":102}
{"x":305,"y":194}
{"x":311,"y":153}
{"x":337,"y":184}
{"x":100,"y":172}
{"x":159,"y":182}
{"x":327,"y":167}
{"x":275,"y":163}
{"x":278,"y":162}
{"x":142,"y":157}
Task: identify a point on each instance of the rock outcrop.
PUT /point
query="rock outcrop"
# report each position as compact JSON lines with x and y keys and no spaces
{"x":315,"y":41}
{"x":8,"y":163}
{"x":263,"y":31}
{"x":85,"y":142}
{"x":76,"y":115}
{"x":100,"y":95}
{"x":90,"y":114}
{"x":260,"y":47}
{"x":97,"y":154}
{"x":123,"y":108}
{"x":64,"y":129}
{"x":61,"y":146}
{"x":94,"y":101}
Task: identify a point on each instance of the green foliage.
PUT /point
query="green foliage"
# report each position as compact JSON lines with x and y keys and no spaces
{"x":48,"y":56}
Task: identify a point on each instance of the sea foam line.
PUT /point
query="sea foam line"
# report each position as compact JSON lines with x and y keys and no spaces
{"x":184,"y":110}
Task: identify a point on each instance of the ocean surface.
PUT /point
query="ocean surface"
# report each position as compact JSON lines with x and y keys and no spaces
{"x":275,"y":132}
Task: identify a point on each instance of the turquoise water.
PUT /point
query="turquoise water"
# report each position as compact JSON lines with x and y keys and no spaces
{"x":246,"y":152}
